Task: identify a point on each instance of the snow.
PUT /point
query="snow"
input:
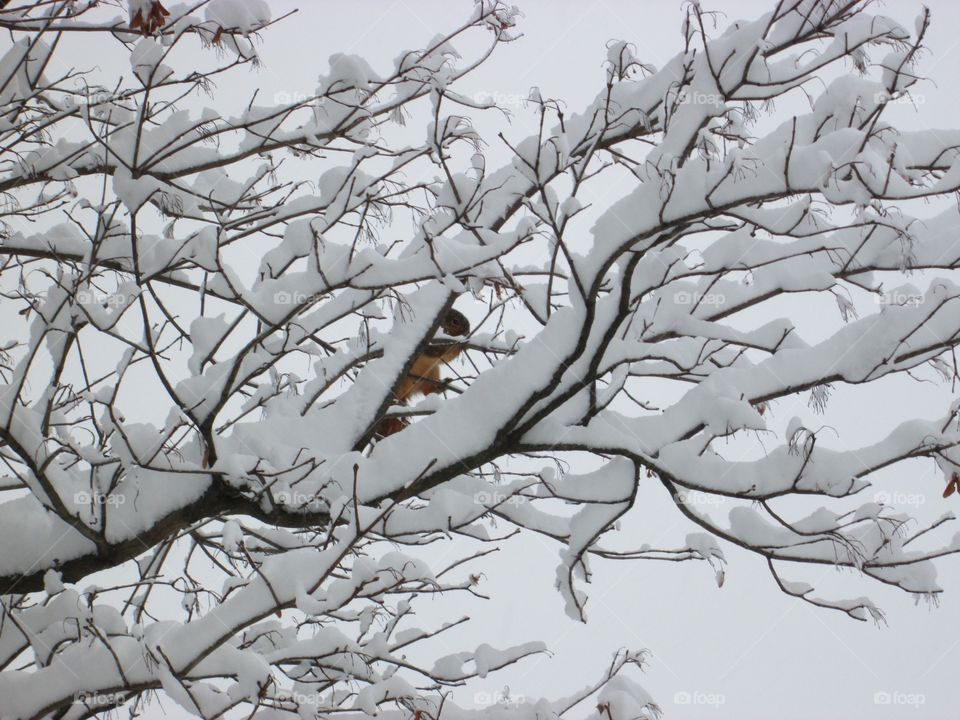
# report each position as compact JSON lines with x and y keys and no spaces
{"x":348,"y":71}
{"x":623,"y":697}
{"x":145,"y":60}
{"x":243,"y":15}
{"x":303,"y":258}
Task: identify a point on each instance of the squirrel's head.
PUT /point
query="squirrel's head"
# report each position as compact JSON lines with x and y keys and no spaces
{"x":455,"y":324}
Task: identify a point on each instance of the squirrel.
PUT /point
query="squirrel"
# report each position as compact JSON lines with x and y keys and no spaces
{"x":424,"y":375}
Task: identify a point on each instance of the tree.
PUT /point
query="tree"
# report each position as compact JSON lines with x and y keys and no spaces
{"x":203,"y":344}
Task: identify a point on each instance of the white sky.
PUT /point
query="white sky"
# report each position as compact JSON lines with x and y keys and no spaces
{"x":762,"y":653}
{"x":766,"y":654}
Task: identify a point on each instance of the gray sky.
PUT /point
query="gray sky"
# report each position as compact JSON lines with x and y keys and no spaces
{"x":766,"y":654}
{"x":747,"y":645}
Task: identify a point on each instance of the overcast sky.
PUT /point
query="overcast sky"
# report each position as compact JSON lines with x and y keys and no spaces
{"x":744,"y":651}
{"x":761,"y":653}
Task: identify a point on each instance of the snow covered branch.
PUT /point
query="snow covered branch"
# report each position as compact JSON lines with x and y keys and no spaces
{"x":220,"y":379}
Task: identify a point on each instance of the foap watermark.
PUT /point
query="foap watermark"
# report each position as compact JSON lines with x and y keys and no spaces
{"x":294,"y":297}
{"x":100,"y":699}
{"x":698,"y":697}
{"x":500,"y":99}
{"x":900,"y":297}
{"x":900,"y":498}
{"x":492,"y":498}
{"x":294,"y":498}
{"x":903,"y":98}
{"x":695,"y":498}
{"x":683,"y":297}
{"x":88,"y":297}
{"x":296,"y":98}
{"x":93,"y":98}
{"x":897,"y":697}
{"x":87,"y":497}
{"x":301,"y":698}
{"x":503,"y":697}
{"x":701,"y":98}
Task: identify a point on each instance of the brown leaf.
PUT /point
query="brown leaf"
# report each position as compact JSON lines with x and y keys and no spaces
{"x":952,"y":485}
{"x":152,"y":21}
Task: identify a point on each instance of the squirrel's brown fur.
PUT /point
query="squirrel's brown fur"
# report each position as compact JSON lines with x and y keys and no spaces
{"x":424,"y":375}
